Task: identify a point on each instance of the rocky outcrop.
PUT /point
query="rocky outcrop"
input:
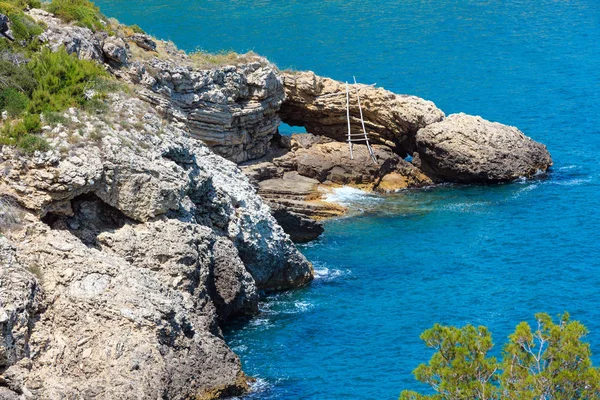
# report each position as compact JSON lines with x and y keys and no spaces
{"x":140,"y":230}
{"x":80,"y":41}
{"x":329,"y":162}
{"x":319,"y":104}
{"x":300,"y":169}
{"x":232,"y":109}
{"x":464,"y":148}
{"x":459,"y":148}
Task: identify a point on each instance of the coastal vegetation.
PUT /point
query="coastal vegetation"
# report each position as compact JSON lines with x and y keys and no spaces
{"x":83,"y":12}
{"x":49,"y":82}
{"x":35,"y":81}
{"x":550,"y":362}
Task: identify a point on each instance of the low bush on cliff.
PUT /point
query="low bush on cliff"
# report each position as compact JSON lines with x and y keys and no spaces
{"x":49,"y":83}
{"x":551,"y":362}
{"x":82,"y":12}
{"x":63,"y":81}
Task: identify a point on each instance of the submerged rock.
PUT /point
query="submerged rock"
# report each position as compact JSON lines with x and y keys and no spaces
{"x":464,"y":148}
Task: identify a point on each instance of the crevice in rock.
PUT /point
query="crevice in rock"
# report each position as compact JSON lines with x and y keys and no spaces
{"x":92,"y":216}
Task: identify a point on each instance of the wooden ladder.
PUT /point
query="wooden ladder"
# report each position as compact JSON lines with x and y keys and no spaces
{"x":357,"y":137}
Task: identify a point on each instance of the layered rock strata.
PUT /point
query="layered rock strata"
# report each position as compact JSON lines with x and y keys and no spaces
{"x":122,"y":256}
{"x":232,"y":108}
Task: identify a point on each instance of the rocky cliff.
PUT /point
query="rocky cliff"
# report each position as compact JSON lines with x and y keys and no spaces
{"x":126,"y":246}
{"x":122,"y":255}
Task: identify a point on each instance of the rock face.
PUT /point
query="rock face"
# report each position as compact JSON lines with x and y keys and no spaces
{"x":80,"y":41}
{"x":464,"y":148}
{"x":142,"y":241}
{"x":232,"y":109}
{"x":20,"y":302}
{"x":319,"y":104}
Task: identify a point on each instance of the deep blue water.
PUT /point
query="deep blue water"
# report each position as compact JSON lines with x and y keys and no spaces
{"x":492,"y":255}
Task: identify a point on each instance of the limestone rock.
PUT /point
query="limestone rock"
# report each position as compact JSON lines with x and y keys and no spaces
{"x":319,"y":104}
{"x":20,"y":302}
{"x":330,"y":162}
{"x":115,"y":50}
{"x":168,"y":344}
{"x":76,"y":40}
{"x":143,"y":41}
{"x":464,"y":148}
{"x":141,"y":230}
{"x":301,"y":228}
{"x":232,"y":109}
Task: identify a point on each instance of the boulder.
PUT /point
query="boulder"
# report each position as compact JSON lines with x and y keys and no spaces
{"x":465,"y":148}
{"x":143,"y":41}
{"x":115,"y":50}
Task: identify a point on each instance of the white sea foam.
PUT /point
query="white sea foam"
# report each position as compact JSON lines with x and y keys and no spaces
{"x":325,"y":274}
{"x":259,"y":385}
{"x":347,"y":196}
{"x":261,"y":322}
{"x":572,"y":182}
{"x":257,"y":388}
{"x":568,"y":167}
{"x":467,"y":207}
{"x":302,"y":306}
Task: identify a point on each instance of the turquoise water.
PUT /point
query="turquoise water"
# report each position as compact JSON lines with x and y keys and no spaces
{"x":492,"y":255}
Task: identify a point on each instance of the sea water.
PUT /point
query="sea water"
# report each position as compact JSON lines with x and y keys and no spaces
{"x":491,"y":255}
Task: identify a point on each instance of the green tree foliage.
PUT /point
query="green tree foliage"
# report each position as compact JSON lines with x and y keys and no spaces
{"x":551,"y":362}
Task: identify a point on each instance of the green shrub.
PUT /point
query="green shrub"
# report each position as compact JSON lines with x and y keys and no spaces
{"x":30,"y":143}
{"x":54,"y":118}
{"x":62,"y":81}
{"x":13,"y":101}
{"x":136,"y":29}
{"x":83,"y":12}
{"x":22,"y":134}
{"x":16,"y":77}
{"x":24,"y":27}
{"x":550,"y":362}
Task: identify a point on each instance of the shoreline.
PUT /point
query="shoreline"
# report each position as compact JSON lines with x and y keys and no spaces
{"x":137,"y":219}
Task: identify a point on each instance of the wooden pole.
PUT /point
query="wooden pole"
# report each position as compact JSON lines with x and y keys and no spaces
{"x":348,"y":117}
